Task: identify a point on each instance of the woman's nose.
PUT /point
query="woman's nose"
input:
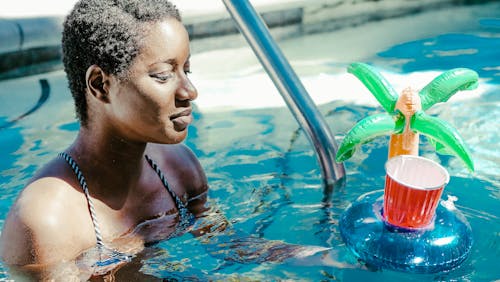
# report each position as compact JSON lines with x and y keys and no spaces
{"x":186,"y":90}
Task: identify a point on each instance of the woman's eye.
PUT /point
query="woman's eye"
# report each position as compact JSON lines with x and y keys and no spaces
{"x":162,"y":76}
{"x":187,"y":71}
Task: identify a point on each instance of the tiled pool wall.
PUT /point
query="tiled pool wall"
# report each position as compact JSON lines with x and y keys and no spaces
{"x":32,"y":45}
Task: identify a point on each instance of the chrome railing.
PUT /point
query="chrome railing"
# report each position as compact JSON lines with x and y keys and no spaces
{"x":290,"y":87}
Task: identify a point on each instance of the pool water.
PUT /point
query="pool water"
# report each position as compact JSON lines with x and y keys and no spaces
{"x":263,"y":172}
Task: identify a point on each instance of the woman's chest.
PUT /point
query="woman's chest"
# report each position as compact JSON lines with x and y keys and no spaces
{"x":147,"y":216}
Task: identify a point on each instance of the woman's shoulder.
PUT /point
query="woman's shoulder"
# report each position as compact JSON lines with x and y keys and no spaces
{"x":53,"y":181}
{"x":180,"y":155}
{"x":48,"y":188}
{"x":39,"y":218}
{"x":179,"y":161}
{"x":42,"y":204}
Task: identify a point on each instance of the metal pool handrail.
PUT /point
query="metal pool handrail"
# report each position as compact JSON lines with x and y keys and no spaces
{"x":288,"y":84}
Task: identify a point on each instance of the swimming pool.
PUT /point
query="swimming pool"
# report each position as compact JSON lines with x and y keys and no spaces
{"x":262,"y":170}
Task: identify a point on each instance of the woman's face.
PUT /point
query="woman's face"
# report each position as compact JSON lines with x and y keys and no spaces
{"x":154,"y":103}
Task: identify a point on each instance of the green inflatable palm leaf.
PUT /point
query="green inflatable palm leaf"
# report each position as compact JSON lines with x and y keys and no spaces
{"x":443,"y":134}
{"x":446,"y":85}
{"x":366,"y":130}
{"x":376,"y":84}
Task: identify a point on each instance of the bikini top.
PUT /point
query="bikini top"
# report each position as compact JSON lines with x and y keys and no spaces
{"x":109,"y":258}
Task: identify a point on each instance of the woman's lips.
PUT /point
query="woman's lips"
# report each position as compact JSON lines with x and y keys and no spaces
{"x":182,"y":120}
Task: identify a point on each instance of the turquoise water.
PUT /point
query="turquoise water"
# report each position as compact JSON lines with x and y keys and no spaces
{"x":263,"y":172}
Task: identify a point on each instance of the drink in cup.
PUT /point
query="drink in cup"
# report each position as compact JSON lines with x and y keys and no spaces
{"x":413,"y":188}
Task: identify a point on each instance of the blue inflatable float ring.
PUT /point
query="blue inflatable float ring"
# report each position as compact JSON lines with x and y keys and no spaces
{"x":441,"y":246}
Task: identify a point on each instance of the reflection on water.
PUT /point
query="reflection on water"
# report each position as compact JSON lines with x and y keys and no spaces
{"x":449,"y":51}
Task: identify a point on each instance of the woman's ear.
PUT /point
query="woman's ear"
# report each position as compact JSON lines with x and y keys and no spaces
{"x":97,"y":83}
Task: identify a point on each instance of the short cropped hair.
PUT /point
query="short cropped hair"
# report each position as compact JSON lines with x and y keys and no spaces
{"x":106,"y":33}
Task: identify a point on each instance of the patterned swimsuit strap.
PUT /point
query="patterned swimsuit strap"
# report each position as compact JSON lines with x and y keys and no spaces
{"x":83,"y":184}
{"x":186,"y":217}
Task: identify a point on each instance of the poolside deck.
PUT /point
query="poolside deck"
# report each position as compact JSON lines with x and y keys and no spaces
{"x":30,"y":30}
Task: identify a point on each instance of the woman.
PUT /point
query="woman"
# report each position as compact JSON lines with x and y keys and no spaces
{"x":126,"y":181}
{"x":127,"y":63}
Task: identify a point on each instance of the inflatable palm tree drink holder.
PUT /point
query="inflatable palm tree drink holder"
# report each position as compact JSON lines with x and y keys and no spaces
{"x":407,"y":227}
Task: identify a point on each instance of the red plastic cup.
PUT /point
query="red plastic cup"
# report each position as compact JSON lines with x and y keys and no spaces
{"x":413,"y":187}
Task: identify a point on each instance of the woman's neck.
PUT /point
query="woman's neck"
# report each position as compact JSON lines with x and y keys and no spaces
{"x":111,"y":165}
